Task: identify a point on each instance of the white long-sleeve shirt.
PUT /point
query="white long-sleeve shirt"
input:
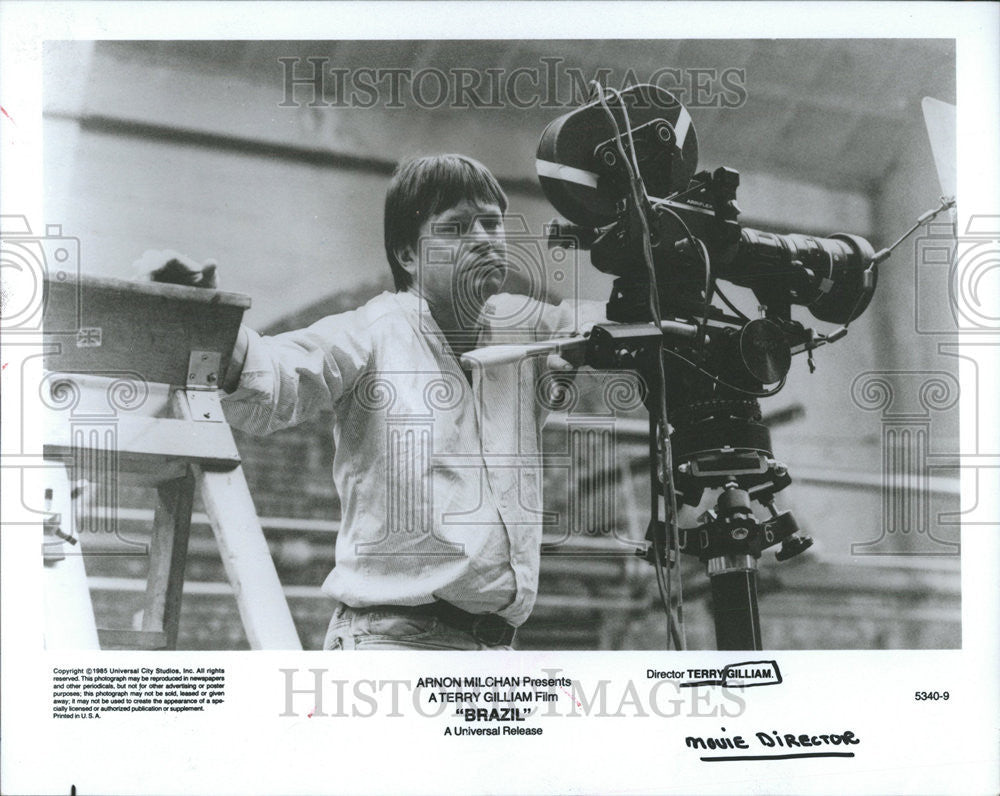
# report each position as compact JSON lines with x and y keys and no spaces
{"x":440,"y":482}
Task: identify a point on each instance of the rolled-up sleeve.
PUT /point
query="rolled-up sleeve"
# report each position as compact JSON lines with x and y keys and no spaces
{"x":292,"y":377}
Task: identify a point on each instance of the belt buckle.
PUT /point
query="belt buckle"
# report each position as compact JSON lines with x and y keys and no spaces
{"x":492,"y":630}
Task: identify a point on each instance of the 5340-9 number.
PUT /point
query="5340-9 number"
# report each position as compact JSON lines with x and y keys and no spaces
{"x":933,"y":696}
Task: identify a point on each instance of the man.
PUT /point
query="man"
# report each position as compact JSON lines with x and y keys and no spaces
{"x":438,"y":470}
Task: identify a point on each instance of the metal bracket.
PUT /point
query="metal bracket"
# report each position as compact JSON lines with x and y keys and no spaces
{"x":203,"y":370}
{"x":205,"y":406}
{"x":202,"y":388}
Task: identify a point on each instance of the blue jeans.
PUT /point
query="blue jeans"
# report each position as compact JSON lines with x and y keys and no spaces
{"x":382,"y":629}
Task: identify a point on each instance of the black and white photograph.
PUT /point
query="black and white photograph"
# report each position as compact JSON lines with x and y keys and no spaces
{"x":332,"y":187}
{"x":651,"y":362}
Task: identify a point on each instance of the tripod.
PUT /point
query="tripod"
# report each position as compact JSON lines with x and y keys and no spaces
{"x":717,"y":441}
{"x":729,"y":539}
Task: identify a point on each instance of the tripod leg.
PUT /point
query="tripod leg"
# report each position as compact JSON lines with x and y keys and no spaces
{"x":734,"y":602}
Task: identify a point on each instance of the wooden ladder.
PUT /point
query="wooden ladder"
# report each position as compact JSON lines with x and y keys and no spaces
{"x":133,"y":387}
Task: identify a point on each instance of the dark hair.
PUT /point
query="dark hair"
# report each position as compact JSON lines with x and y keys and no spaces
{"x":423,"y":186}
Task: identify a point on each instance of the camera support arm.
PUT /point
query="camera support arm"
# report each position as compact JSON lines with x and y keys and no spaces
{"x":598,"y":349}
{"x":728,"y":539}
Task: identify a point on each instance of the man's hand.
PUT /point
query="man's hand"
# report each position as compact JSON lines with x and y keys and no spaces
{"x":571,"y":358}
{"x":175,"y":268}
{"x":557,"y":362}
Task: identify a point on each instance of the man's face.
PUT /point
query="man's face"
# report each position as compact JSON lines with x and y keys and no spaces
{"x":461,"y":258}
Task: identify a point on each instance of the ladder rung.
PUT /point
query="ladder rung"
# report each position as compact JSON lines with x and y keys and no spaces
{"x":141,"y":441}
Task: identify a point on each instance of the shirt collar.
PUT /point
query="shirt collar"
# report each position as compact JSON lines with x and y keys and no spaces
{"x":415,"y":305}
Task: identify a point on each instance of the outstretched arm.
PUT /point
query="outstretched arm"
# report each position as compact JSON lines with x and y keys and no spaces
{"x":275,"y":382}
{"x":292,"y":377}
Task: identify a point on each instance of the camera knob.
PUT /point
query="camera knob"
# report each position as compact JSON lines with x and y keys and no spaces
{"x":792,"y":546}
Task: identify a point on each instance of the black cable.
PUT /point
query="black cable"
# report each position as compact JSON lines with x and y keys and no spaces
{"x":663,"y":589}
{"x":707,"y":260}
{"x":732,"y":307}
{"x":654,"y":514}
{"x":755,"y":393}
{"x":687,"y":230}
{"x":637,"y":197}
{"x":638,"y":194}
{"x":690,"y":189}
{"x":699,"y":246}
{"x":670,"y":501}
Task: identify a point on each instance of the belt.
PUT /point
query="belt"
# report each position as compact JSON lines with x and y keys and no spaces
{"x":487,"y":629}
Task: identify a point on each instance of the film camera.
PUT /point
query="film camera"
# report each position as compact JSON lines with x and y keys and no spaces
{"x":623,"y":170}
